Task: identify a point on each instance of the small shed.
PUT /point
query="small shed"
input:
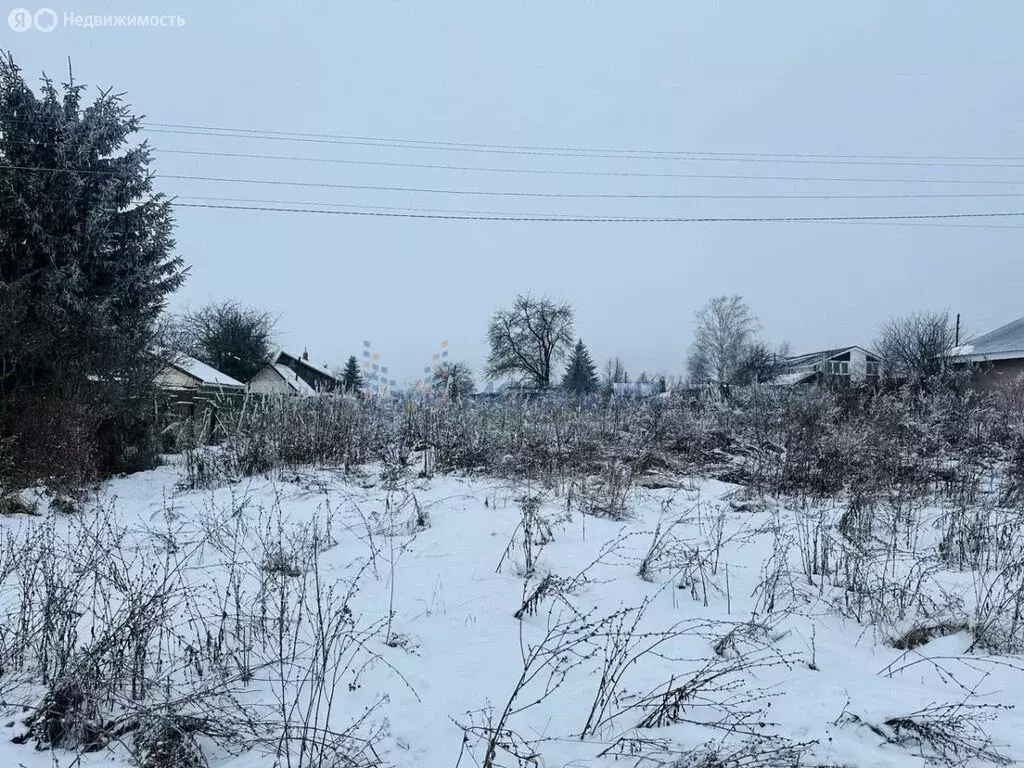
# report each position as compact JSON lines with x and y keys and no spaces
{"x":193,"y":392}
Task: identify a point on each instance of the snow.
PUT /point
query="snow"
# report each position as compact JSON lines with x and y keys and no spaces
{"x":450,"y":589}
{"x":293,"y":380}
{"x":962,"y":351}
{"x":793,"y":377}
{"x":205,"y":373}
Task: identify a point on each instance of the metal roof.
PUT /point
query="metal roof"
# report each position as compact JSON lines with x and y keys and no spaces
{"x":1004,"y":343}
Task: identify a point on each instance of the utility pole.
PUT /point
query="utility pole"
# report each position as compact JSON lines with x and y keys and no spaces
{"x":956,"y":342}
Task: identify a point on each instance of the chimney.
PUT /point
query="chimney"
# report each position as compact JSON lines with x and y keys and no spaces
{"x":305,"y":354}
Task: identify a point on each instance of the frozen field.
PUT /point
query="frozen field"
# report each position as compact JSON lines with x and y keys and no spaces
{"x":332,"y":619}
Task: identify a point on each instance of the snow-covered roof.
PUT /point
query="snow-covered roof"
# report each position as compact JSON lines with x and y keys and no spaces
{"x":798,"y":368}
{"x":810,"y":358}
{"x":1004,"y":343}
{"x":293,"y":380}
{"x":792,"y":377}
{"x":321,"y":369}
{"x":204,"y":373}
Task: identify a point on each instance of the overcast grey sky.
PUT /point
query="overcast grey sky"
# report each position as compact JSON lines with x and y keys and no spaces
{"x":931,"y":77}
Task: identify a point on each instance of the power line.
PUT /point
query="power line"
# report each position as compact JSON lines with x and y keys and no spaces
{"x":475,"y":213}
{"x":722,"y":176}
{"x":946,"y":225}
{"x":414,"y":214}
{"x":594,"y":152}
{"x":582,"y":172}
{"x":488,"y":215}
{"x":344,"y":161}
{"x":264,"y":201}
{"x":953,"y":161}
{"x":446,"y":214}
{"x":501,"y":193}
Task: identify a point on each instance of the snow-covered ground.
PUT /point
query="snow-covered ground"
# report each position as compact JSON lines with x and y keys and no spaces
{"x":690,"y":623}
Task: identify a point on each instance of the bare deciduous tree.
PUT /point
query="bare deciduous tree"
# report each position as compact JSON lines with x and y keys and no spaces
{"x":759,"y":363}
{"x":455,"y":380}
{"x":228,"y":335}
{"x":916,"y":345}
{"x":724,"y":328}
{"x":614,"y":371}
{"x":528,"y":338}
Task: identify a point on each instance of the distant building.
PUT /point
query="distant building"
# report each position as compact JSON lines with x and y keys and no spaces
{"x":318,"y":377}
{"x":193,"y":391}
{"x":490,"y":390}
{"x":279,"y":379}
{"x":184,"y":374}
{"x":996,"y":357}
{"x":847,"y":365}
{"x":636,"y":389}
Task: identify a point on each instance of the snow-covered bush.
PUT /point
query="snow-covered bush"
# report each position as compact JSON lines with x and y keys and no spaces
{"x":106,"y":632}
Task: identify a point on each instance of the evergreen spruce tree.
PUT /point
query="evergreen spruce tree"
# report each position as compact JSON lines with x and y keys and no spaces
{"x":86,"y":246}
{"x":351,"y":380}
{"x":581,"y":374}
{"x":86,"y":262}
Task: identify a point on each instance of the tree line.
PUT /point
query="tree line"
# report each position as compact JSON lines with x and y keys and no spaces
{"x":528,"y":339}
{"x":532,"y":336}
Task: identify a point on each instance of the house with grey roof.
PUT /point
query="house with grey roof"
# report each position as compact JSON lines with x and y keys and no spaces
{"x":846,"y":365}
{"x":995,"y":357}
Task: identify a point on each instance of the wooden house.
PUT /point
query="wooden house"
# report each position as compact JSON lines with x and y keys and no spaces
{"x":318,"y":377}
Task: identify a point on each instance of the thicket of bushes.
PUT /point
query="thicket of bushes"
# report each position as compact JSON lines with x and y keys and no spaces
{"x":67,"y":443}
{"x":944,"y":439}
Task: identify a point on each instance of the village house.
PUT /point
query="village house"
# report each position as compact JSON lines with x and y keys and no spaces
{"x":846,"y":365}
{"x":995,"y":357}
{"x":318,"y":377}
{"x":279,"y":379}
